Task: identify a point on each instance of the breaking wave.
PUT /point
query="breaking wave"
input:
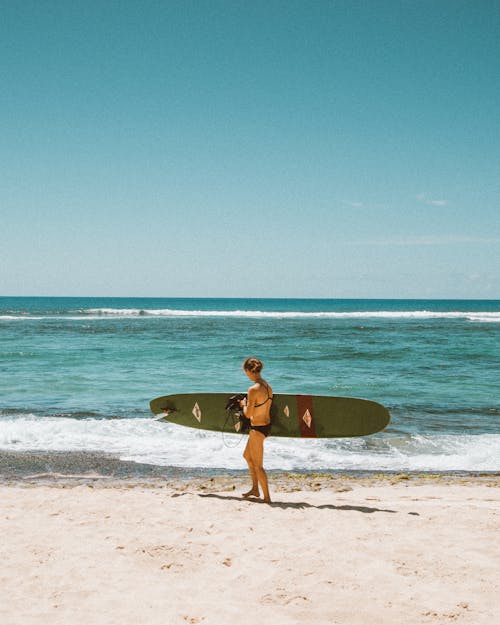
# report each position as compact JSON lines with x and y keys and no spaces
{"x":145,"y":440}
{"x":135,"y":313}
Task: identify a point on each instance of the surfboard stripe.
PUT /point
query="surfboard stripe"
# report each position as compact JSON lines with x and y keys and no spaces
{"x":305,"y":414}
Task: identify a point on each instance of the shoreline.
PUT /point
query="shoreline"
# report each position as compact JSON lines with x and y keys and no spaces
{"x":73,"y":469}
{"x":104,"y":470}
{"x":280,"y":481}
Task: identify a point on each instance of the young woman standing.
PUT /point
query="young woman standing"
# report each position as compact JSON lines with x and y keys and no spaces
{"x":257,"y":408}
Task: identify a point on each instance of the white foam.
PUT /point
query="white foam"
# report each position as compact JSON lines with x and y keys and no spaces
{"x":18,"y":317}
{"x":485,"y":318}
{"x":138,"y":313}
{"x":382,"y":314}
{"x":149,"y":441}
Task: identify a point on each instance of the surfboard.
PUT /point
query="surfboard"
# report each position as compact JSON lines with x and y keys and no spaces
{"x":296,"y":416}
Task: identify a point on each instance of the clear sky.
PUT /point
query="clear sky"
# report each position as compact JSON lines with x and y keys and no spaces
{"x":263,"y":148}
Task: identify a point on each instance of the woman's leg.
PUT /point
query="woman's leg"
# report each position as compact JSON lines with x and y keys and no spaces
{"x":254,"y":491}
{"x":256,"y":452}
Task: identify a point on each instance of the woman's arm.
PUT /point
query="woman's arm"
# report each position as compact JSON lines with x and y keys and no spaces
{"x":250,"y":403}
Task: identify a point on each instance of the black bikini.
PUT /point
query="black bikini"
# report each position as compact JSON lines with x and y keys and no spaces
{"x":263,"y":429}
{"x":269,"y":397}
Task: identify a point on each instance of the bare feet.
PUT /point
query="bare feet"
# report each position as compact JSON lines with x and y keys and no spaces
{"x":254,"y":492}
{"x":263,"y":500}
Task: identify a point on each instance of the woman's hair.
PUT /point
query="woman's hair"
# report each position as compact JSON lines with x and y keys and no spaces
{"x":253,"y":365}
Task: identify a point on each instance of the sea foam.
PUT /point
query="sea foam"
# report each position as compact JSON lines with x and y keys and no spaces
{"x":138,"y":313}
{"x":149,"y":441}
{"x":415,"y":314}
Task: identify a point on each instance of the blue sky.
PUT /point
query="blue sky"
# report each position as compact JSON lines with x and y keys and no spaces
{"x":287,"y":149}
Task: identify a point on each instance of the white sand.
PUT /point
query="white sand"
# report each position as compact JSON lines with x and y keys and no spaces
{"x":353,"y":552}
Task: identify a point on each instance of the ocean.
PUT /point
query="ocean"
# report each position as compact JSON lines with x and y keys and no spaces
{"x":77,"y":374}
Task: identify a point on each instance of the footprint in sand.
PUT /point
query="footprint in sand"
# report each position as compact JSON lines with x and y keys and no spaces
{"x":283,"y":598}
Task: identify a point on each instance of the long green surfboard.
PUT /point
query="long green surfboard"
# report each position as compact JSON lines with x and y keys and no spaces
{"x":297,"y":416}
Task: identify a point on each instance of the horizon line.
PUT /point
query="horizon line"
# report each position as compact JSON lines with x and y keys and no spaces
{"x":213,"y":297}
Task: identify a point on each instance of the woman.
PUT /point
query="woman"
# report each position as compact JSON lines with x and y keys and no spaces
{"x":257,"y":408}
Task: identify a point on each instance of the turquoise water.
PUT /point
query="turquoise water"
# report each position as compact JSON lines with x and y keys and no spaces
{"x":76,"y":374}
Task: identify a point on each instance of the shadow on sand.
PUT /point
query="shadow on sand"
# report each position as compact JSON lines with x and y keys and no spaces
{"x":300,"y":505}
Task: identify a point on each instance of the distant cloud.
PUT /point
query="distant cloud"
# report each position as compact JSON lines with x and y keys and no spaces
{"x":425,"y":199}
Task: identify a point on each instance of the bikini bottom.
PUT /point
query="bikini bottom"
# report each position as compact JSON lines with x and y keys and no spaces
{"x":263,"y":429}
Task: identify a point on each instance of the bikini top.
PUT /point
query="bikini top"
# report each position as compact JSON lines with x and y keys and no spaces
{"x":269,"y":398}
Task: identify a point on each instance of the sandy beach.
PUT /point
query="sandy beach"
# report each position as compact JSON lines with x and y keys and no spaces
{"x":329,"y":550}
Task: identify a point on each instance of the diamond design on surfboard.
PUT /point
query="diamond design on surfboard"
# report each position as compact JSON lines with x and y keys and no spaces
{"x":307,"y":418}
{"x":286,"y":410}
{"x":197,"y":412}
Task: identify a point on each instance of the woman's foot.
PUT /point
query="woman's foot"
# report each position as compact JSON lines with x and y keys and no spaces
{"x":254,"y":492}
